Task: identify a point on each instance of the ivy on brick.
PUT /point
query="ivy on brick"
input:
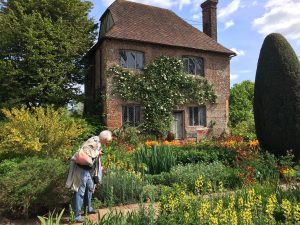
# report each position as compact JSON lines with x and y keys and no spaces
{"x":160,"y":87}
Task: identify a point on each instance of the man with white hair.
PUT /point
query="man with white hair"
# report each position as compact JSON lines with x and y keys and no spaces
{"x":86,"y":172}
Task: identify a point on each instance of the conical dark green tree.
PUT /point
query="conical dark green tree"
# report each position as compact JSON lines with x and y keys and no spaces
{"x":277,"y":97}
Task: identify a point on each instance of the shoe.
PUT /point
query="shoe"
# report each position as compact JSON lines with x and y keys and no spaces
{"x":92,"y":212}
{"x":80,"y":220}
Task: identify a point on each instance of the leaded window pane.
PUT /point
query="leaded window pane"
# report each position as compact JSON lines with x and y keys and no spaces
{"x":123,"y":59}
{"x":139,"y":60}
{"x":196,"y":116}
{"x":191,"y":116}
{"x":202,"y":116}
{"x":131,"y":115}
{"x":130,"y":63}
{"x":199,"y":66}
{"x":192,"y":66}
{"x":131,"y":59}
{"x":186,"y":65}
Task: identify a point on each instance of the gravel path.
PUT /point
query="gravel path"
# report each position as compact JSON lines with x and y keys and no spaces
{"x":123,"y":209}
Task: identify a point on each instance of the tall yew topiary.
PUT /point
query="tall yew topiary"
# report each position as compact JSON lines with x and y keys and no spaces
{"x":277,"y":97}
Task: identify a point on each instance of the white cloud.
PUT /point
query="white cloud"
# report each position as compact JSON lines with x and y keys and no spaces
{"x":229,"y":24}
{"x":245,"y":71}
{"x":229,"y":9}
{"x":254,"y":3}
{"x":182,"y":3}
{"x":281,"y":16}
{"x":234,"y":76}
{"x":196,"y":17}
{"x":238,"y":52}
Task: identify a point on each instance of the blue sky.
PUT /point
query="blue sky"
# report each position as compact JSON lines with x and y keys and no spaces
{"x":242,"y":26}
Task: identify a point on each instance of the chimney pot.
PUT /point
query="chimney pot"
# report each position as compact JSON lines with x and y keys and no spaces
{"x":209,"y":18}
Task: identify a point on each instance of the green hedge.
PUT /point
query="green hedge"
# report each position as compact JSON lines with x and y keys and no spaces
{"x":33,"y":186}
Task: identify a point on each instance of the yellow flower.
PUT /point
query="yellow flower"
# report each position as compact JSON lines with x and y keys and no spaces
{"x":240,"y":202}
{"x":246,"y":216}
{"x":250,"y":203}
{"x":287,"y":208}
{"x":270,"y":207}
{"x":204,"y":207}
{"x":231,"y":203}
{"x":209,"y":186}
{"x":233,"y":218}
{"x":213,"y":220}
{"x":296,"y":213}
{"x":224,"y":217}
{"x":199,"y":184}
{"x":219,"y":207}
{"x":221,"y":186}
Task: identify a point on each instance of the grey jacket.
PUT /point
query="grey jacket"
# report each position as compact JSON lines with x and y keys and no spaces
{"x":92,"y":148}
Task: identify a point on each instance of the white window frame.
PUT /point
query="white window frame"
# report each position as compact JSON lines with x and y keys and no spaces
{"x":136,"y":118}
{"x":201,"y":74}
{"x":135,"y":62}
{"x":201,"y":116}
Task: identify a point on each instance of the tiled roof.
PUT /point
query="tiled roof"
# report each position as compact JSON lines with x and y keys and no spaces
{"x":139,"y":22}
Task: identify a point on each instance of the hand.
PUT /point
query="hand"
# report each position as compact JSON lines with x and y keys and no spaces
{"x":94,"y":189}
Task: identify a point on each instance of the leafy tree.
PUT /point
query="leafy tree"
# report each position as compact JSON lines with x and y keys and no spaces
{"x":160,"y":88}
{"x":241,"y":102}
{"x":277,"y":96}
{"x":42,"y":43}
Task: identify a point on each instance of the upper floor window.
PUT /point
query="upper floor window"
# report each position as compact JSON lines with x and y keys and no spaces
{"x":131,"y":115}
{"x":132,"y":59}
{"x":193,"y":65}
{"x":197,"y":116}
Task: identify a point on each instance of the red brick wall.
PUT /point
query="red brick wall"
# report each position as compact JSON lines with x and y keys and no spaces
{"x":216,"y":68}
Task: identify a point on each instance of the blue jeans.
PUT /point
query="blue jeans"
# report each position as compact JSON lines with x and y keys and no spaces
{"x":84,"y":194}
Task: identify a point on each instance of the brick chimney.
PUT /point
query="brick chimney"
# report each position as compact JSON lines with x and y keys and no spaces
{"x":209,"y":18}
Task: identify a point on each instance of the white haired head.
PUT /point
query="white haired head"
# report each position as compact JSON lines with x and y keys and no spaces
{"x":105,"y":136}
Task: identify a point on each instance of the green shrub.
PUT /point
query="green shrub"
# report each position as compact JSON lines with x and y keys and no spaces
{"x":264,"y":167}
{"x":128,"y":134}
{"x":245,"y":129}
{"x":34,"y":186}
{"x":120,"y":186}
{"x":8,"y":165}
{"x":40,"y":131}
{"x":206,"y":154}
{"x":188,"y":174}
{"x":154,"y":160}
{"x":277,"y":96}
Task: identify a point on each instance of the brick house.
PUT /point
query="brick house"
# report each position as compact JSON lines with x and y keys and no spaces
{"x":132,"y":35}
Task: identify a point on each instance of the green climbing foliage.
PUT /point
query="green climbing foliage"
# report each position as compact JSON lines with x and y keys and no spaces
{"x":277,"y":97}
{"x":159,"y":88}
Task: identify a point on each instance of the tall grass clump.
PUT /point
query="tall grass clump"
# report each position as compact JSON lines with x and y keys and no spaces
{"x":120,"y":186}
{"x":154,"y":160}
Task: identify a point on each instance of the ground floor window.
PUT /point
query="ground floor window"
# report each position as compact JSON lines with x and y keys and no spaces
{"x":131,"y":115}
{"x":197,"y":116}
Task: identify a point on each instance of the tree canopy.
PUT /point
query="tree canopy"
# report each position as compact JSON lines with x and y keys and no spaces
{"x":42,"y":43}
{"x":241,"y":102}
